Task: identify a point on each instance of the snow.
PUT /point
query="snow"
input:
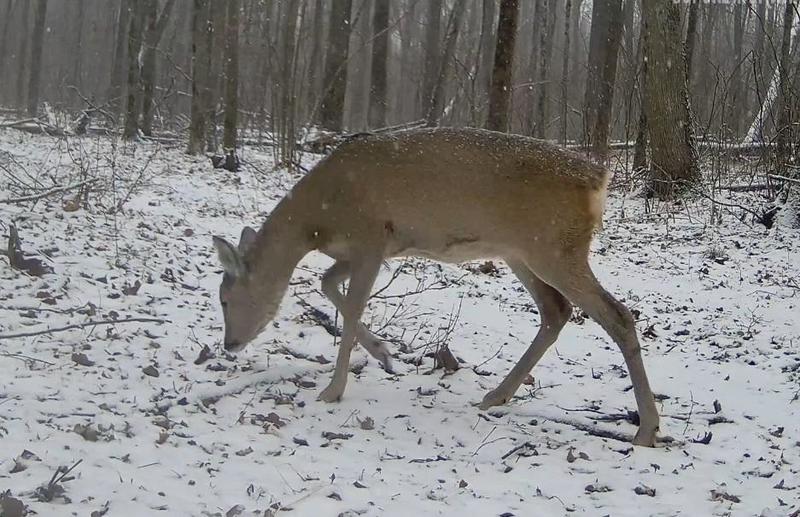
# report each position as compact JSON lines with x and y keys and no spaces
{"x":716,"y":304}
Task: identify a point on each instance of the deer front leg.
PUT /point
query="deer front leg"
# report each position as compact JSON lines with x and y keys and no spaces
{"x":362,"y":278}
{"x":334,"y":276}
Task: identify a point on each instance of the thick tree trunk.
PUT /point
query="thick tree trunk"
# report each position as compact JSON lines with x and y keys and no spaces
{"x":335,"y":83}
{"x":437,"y":99}
{"x":433,"y":58}
{"x":135,"y":29}
{"x":77,"y":63}
{"x":231,"y":76}
{"x":201,"y":62}
{"x":216,"y":99}
{"x":500,"y":92}
{"x":604,"y":49}
{"x":285,"y":127}
{"x":674,"y":159}
{"x":155,"y":29}
{"x":37,"y":44}
{"x":736,"y":98}
{"x":115,"y":89}
{"x":380,"y":55}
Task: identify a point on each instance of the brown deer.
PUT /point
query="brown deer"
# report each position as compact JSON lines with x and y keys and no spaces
{"x":452,"y":195}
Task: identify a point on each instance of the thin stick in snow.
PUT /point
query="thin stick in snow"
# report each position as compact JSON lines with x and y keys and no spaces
{"x":81,"y":326}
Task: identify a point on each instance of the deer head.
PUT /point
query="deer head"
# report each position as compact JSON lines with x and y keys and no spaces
{"x":246,"y":302}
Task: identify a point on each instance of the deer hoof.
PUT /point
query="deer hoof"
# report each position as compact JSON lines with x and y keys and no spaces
{"x":645,"y":438}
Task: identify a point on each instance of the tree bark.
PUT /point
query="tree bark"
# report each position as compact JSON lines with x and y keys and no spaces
{"x":691,"y":37}
{"x":135,"y":29}
{"x":335,"y":83}
{"x":316,"y":54}
{"x":201,"y":62}
{"x":285,"y":127}
{"x":500,"y":92}
{"x":437,"y":99}
{"x":380,"y":55}
{"x":37,"y":44}
{"x":674,"y":159}
{"x":115,"y":89}
{"x":737,"y":100}
{"x":231,"y":76}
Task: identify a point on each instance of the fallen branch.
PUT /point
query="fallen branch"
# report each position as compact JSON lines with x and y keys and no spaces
{"x":56,"y":190}
{"x":81,"y":326}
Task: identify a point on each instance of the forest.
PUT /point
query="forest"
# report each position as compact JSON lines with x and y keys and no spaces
{"x":136,"y":136}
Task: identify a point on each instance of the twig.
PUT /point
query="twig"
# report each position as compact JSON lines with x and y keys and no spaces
{"x":82,"y":325}
{"x":56,"y":190}
{"x":22,"y":357}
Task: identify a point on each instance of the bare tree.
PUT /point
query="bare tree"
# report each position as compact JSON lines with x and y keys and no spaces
{"x":603,"y":53}
{"x":231,"y":76}
{"x":486,"y":49}
{"x":565,"y":71}
{"x":433,"y":58}
{"x":500,"y":92}
{"x":22,"y":56}
{"x":691,"y":37}
{"x":674,"y":159}
{"x":437,"y":99}
{"x":784,"y":128}
{"x":40,"y":14}
{"x":547,"y":16}
{"x":380,"y":54}
{"x":155,"y":29}
{"x":201,"y":62}
{"x":132,"y":104}
{"x":118,"y":60}
{"x":8,"y":13}
{"x":335,"y":83}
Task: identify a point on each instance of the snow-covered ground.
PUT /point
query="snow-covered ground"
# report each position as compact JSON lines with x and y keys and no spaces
{"x":149,"y":432}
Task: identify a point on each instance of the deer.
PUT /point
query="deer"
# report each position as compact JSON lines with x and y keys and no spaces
{"x":448,"y":194}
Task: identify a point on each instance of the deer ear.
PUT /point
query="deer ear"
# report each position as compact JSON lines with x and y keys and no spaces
{"x":230,"y":257}
{"x":247,"y":239}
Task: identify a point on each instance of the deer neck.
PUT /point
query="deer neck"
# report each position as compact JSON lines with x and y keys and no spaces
{"x":279,"y":246}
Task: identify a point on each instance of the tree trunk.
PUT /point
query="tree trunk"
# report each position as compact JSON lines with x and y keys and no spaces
{"x":487,"y":47}
{"x":155,"y":29}
{"x":115,"y":89}
{"x":135,"y":29}
{"x":737,"y":100}
{"x":380,"y":54}
{"x":437,"y":99}
{"x":77,"y":63}
{"x":285,"y":127}
{"x":231,"y":76}
{"x":201,"y":62}
{"x":316,"y":54}
{"x":674,"y":159}
{"x":8,"y":13}
{"x":565,"y":71}
{"x":22,"y":57}
{"x":34,"y":82}
{"x":547,"y":16}
{"x":603,"y":52}
{"x":500,"y":92}
{"x":216,"y":99}
{"x":784,"y":105}
{"x":335,"y":83}
{"x":433,"y":41}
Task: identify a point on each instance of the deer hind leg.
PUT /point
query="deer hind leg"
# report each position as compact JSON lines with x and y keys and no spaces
{"x":554,"y":311}
{"x":362,"y":277}
{"x":581,"y":287}
{"x":331,"y":280}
